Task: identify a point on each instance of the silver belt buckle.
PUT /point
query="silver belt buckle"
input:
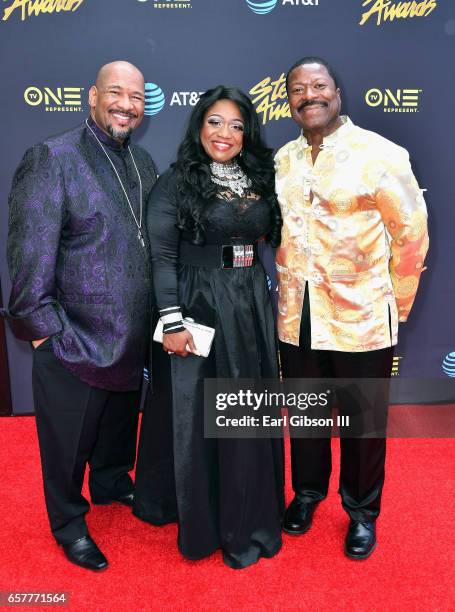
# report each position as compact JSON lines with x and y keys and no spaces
{"x":249,"y":255}
{"x":238,"y":256}
{"x":243,"y":255}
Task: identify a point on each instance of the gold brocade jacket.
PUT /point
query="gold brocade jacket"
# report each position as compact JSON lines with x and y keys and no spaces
{"x":355,"y":230}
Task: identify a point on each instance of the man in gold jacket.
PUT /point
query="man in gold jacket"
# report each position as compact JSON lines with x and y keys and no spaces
{"x":353,"y":245}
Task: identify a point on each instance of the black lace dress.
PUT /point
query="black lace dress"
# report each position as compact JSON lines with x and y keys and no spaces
{"x":224,"y":493}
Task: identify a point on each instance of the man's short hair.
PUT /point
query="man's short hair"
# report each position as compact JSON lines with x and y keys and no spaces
{"x":309,"y":59}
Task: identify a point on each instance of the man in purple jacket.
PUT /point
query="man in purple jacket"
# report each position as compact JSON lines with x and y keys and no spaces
{"x":81,"y":293}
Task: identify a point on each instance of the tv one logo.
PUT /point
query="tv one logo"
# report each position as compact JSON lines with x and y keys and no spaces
{"x":262,"y":7}
{"x":56,"y":99}
{"x":170,"y":4}
{"x":396,"y":366}
{"x":394,"y":101}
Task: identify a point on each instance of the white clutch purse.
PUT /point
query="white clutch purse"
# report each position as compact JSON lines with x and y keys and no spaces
{"x":202,"y":335}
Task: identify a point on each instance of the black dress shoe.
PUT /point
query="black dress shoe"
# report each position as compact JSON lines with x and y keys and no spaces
{"x":360,"y":540}
{"x":298,"y":518}
{"x":126,"y":500}
{"x":85,"y":553}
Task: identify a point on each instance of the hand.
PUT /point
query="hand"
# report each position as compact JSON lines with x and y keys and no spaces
{"x":180,"y":343}
{"x":36,"y":343}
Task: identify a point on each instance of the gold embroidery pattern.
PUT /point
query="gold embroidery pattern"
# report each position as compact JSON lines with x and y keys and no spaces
{"x":359,"y":242}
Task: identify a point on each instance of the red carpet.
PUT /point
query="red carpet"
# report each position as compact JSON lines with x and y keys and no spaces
{"x":412,"y":568}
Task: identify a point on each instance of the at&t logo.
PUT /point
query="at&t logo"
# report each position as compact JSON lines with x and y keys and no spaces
{"x":448,"y":365}
{"x":394,"y":101}
{"x":154,"y":99}
{"x":262,"y":7}
{"x":185,"y":98}
{"x":56,"y":99}
{"x":300,"y":2}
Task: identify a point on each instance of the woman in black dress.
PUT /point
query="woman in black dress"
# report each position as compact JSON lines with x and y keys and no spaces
{"x":205,"y":216}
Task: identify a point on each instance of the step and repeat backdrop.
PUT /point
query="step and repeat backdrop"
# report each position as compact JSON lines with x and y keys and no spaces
{"x":395,"y":61}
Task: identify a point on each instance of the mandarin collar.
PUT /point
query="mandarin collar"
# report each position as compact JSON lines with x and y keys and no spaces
{"x":332,"y":138}
{"x":107,"y":140}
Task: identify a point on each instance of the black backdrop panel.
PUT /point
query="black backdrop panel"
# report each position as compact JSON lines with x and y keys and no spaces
{"x":50,"y":59}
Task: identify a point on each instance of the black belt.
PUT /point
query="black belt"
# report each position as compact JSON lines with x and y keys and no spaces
{"x":223,"y":256}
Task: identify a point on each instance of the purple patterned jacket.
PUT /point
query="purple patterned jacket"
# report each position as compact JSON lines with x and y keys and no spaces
{"x":79,"y":273}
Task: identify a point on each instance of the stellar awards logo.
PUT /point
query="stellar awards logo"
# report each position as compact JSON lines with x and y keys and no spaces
{"x":57,"y":99}
{"x":27,"y":8}
{"x":388,"y":10}
{"x":270,"y":99}
{"x":394,"y":100}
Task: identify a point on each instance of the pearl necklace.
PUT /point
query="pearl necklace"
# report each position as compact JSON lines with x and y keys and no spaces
{"x":230,"y":175}
{"x":140,"y":237}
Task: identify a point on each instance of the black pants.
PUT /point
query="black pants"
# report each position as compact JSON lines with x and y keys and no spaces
{"x":362,"y":459}
{"x":77,"y":424}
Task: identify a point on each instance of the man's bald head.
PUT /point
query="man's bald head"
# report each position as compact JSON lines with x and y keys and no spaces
{"x":110,"y":71}
{"x":117,"y":99}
